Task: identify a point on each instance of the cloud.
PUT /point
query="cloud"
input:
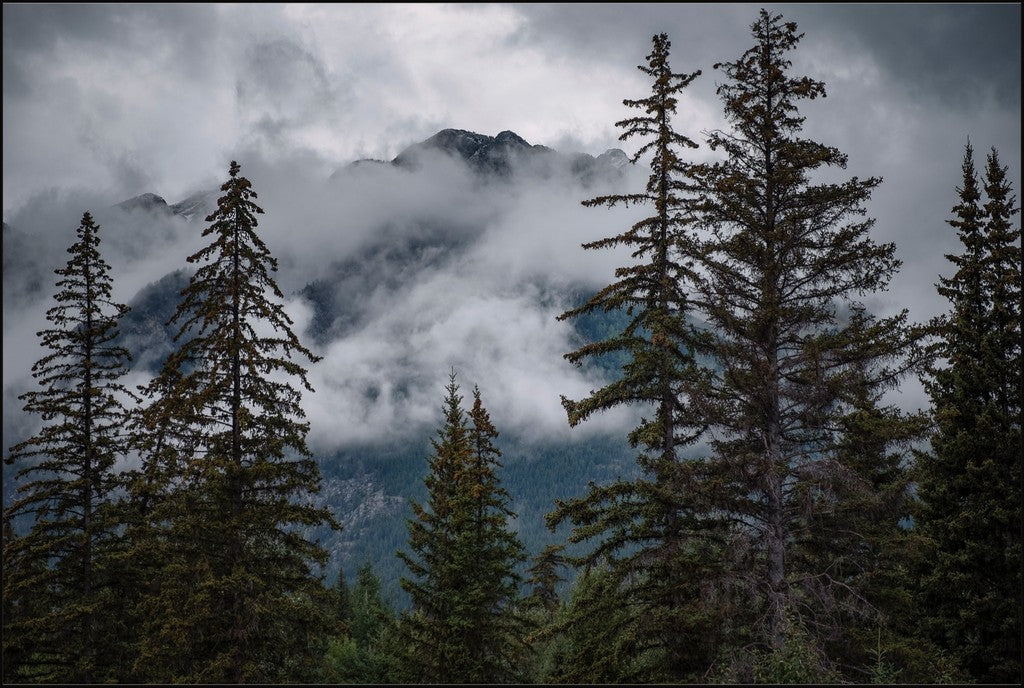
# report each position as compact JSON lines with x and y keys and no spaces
{"x":431,"y":269}
{"x":435,"y":270}
{"x":115,"y":100}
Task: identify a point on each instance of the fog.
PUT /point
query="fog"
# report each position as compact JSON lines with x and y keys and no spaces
{"x":437,"y":269}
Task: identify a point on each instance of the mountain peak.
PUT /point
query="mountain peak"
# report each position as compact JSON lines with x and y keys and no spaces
{"x":500,"y":156}
{"x":510,"y":137}
{"x":147,"y":201}
{"x":198,"y":205}
{"x":483,"y":153}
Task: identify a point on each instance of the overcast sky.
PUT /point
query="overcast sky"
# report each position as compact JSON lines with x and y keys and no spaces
{"x":103,"y":102}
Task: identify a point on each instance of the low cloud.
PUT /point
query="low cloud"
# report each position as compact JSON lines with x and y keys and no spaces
{"x":434,"y":269}
{"x":492,"y":264}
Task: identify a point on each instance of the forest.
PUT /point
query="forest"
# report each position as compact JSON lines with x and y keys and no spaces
{"x":786,"y":521}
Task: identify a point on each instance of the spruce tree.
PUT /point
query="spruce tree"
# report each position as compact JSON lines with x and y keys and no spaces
{"x":786,"y":259}
{"x":60,"y":572}
{"x":652,"y":530}
{"x":225,"y":492}
{"x":463,"y":626}
{"x":969,"y":484}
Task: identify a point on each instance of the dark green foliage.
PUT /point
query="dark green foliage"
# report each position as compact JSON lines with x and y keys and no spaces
{"x":535,"y":473}
{"x":343,"y":605}
{"x":223,"y":496}
{"x":595,"y":637}
{"x":853,"y":529}
{"x":545,"y":577}
{"x":463,"y":626}
{"x":364,"y":654}
{"x":969,"y":483}
{"x":784,"y":262}
{"x":59,"y":576}
{"x":655,"y":536}
{"x":369,"y":612}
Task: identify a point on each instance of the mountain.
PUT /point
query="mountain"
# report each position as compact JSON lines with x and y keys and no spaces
{"x":368,"y":483}
{"x":23,"y":268}
{"x":147,"y":202}
{"x":197,"y":206}
{"x":490,"y":155}
{"x":500,"y":157}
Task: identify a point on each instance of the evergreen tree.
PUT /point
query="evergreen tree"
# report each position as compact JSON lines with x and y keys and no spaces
{"x":654,"y":531}
{"x":225,"y":489}
{"x":60,"y":573}
{"x":498,"y":629}
{"x":595,"y":636}
{"x":854,"y":525}
{"x":785,"y":260}
{"x":969,"y":483}
{"x":1002,"y":280}
{"x":462,"y":627}
{"x":369,"y":612}
{"x":364,"y":654}
{"x":544,"y":578}
{"x":343,"y":608}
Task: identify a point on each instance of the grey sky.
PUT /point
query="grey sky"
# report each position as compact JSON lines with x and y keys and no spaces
{"x":103,"y":102}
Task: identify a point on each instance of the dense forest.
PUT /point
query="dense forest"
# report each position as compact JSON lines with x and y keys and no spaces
{"x":785,"y":521}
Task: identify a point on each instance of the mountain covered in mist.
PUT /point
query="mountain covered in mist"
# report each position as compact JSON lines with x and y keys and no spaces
{"x":430,"y":265}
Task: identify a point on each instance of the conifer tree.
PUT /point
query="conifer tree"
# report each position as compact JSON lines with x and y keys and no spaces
{"x":369,"y":612}
{"x":60,"y":572}
{"x":853,"y":524}
{"x":228,"y":476}
{"x":969,"y":484}
{"x":784,"y":257}
{"x":655,"y":535}
{"x":364,"y":654}
{"x":545,"y":577}
{"x":596,"y":634}
{"x":463,"y":626}
{"x":343,"y":607}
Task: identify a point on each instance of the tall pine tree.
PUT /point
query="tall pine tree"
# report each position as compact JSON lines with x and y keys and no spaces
{"x":969,"y":483}
{"x":228,"y":481}
{"x":786,"y":258}
{"x":463,"y":627}
{"x":61,"y":571}
{"x":652,"y":531}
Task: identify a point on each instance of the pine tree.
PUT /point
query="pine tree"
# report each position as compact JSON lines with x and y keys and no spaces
{"x":225,"y":491}
{"x":784,"y":258}
{"x":462,"y":627}
{"x":498,"y":629}
{"x":60,"y":571}
{"x":969,"y":483}
{"x":655,"y":534}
